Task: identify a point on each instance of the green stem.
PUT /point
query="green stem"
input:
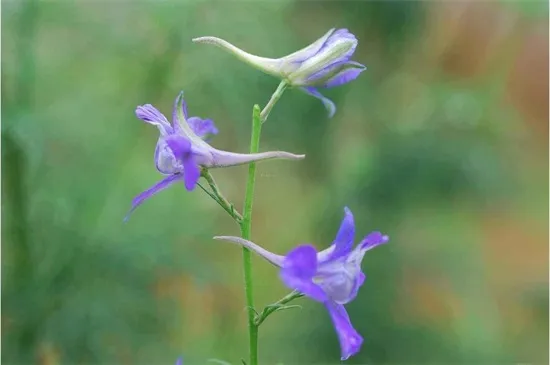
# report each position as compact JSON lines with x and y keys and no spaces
{"x":217,"y":195}
{"x":271,"y":103}
{"x":246,"y":224}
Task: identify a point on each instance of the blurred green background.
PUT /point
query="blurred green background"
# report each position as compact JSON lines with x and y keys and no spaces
{"x":442,"y":144}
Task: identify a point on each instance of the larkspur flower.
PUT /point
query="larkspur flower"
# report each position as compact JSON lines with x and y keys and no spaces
{"x":332,"y":276}
{"x":324,"y":63}
{"x":181,"y":150}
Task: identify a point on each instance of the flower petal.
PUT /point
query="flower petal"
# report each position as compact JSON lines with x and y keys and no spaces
{"x":309,"y":51}
{"x":368,"y":243}
{"x":358,"y":283}
{"x":339,"y":36}
{"x":350,"y":339}
{"x":165,"y":160}
{"x":327,"y":62}
{"x":319,"y":78}
{"x":299,"y":268}
{"x":161,"y":185}
{"x":191,"y":172}
{"x":151,"y":115}
{"x":179,"y":120}
{"x":346,"y":75}
{"x":202,"y":127}
{"x":343,"y":243}
{"x":325,"y":254}
{"x":181,"y":147}
{"x":372,"y":240}
{"x":176,"y":123}
{"x":275,"y":259}
{"x":326,"y":101}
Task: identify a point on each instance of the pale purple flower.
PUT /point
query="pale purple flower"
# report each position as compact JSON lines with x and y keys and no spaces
{"x":181,"y":151}
{"x":325,"y":63}
{"x":332,"y":276}
{"x":179,"y":361}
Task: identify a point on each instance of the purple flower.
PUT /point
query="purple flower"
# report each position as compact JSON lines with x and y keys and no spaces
{"x":181,"y":151}
{"x":325,"y":63}
{"x":179,"y":361}
{"x":332,"y":276}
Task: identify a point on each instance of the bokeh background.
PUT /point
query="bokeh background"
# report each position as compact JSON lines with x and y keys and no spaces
{"x":442,"y":144}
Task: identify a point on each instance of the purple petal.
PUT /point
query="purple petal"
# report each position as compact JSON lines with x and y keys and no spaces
{"x":179,"y":361}
{"x":326,"y":102}
{"x":311,"y":50}
{"x":151,"y":115}
{"x":299,"y":268}
{"x":202,"y":127}
{"x":314,"y":78}
{"x":350,"y":339}
{"x":343,"y":243}
{"x":181,"y":148}
{"x":341,"y":34}
{"x":179,"y":145}
{"x":165,"y":160}
{"x":325,"y":254}
{"x":161,"y":185}
{"x":191,"y":172}
{"x":175,"y":121}
{"x":358,"y":283}
{"x":338,"y":63}
{"x":345,"y":76}
{"x":157,"y":156}
{"x":339,"y":72}
{"x":372,"y":240}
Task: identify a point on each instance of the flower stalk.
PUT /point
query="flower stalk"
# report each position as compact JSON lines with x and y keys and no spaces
{"x":217,"y":195}
{"x":246,"y":225}
{"x":274,"y":98}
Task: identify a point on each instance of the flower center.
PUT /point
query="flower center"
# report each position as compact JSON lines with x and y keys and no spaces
{"x":166,"y":161}
{"x":338,"y":282}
